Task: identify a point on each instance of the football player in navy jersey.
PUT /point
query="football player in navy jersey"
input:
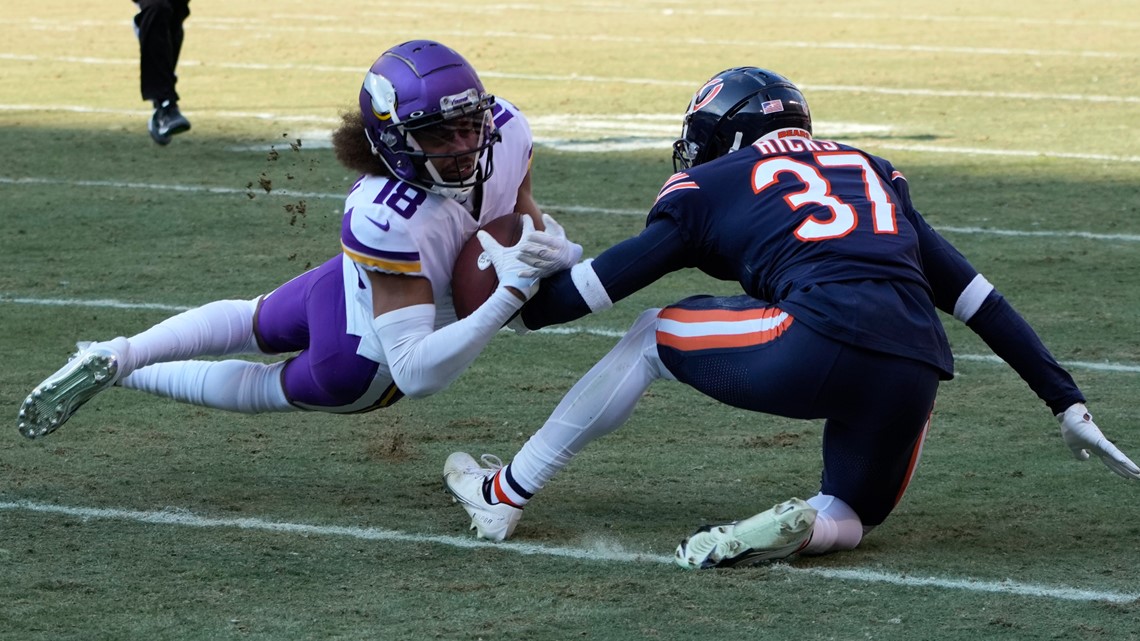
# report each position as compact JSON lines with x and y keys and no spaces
{"x":841,"y":277}
{"x":438,"y":157}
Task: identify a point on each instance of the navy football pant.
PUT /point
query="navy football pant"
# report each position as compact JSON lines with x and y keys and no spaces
{"x":746,"y":353}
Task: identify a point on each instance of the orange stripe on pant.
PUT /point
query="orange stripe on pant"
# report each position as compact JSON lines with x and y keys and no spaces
{"x":914,"y":456}
{"x":721,"y":341}
{"x":722,"y":315}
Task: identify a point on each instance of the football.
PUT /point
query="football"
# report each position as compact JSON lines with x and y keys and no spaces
{"x":471,"y":286}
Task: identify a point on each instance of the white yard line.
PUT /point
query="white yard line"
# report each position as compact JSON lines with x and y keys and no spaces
{"x":1025,"y":153}
{"x":587,"y":133}
{"x":576,"y":209}
{"x":604,"y":553}
{"x":104,"y":303}
{"x":557,"y":331}
{"x":262,"y":27}
{"x":667,"y":8}
{"x":591,"y":79}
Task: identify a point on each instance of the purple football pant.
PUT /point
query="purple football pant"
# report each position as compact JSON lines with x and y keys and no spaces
{"x":307,"y":314}
{"x":747,"y":353}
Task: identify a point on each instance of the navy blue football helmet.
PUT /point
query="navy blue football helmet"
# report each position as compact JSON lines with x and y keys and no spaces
{"x":734,"y":108}
{"x":422,"y":87}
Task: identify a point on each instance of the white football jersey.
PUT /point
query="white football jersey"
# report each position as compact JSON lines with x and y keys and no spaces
{"x":394,"y":227}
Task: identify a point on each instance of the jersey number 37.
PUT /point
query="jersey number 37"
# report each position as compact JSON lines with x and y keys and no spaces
{"x":817,"y":191}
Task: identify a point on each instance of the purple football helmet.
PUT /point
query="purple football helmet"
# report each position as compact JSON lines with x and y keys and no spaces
{"x":422,"y":91}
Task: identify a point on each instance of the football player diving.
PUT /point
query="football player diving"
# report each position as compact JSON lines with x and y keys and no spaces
{"x":438,"y":158}
{"x":841,"y":277}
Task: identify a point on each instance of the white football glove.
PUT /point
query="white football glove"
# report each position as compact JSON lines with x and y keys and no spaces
{"x":1083,"y":436}
{"x":511,"y":271}
{"x":549,"y":251}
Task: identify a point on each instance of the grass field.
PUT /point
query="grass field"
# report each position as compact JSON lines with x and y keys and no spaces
{"x":1017,"y":125}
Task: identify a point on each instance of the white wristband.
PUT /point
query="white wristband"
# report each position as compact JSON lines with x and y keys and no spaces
{"x":972,"y":298}
{"x":590,"y":286}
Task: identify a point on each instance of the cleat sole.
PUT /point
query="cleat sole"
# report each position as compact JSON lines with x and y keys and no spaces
{"x":54,"y":401}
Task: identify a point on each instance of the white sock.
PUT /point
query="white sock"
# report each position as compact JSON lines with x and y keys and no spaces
{"x":215,"y":329}
{"x":599,"y":403}
{"x":837,"y":526}
{"x":237,"y":386}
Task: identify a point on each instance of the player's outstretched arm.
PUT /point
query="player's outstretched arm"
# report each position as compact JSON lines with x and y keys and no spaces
{"x":1082,"y":436}
{"x":961,"y":291}
{"x":596,"y":284}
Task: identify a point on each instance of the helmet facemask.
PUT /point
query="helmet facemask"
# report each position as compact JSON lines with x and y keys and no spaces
{"x":685,"y":151}
{"x":432,"y":146}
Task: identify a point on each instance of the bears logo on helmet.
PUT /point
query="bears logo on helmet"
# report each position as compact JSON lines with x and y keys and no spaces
{"x":706,"y":94}
{"x":734,"y":108}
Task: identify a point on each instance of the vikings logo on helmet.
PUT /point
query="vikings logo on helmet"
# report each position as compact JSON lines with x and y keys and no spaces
{"x":382,"y":95}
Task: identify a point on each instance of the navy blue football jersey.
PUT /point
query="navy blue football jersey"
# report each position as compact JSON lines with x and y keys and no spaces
{"x":816,"y":228}
{"x":828,"y":233}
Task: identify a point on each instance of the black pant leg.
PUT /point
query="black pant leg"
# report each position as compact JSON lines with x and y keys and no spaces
{"x":159,"y":24}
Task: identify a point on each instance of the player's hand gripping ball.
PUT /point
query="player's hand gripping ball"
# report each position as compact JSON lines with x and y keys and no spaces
{"x":473,"y":278}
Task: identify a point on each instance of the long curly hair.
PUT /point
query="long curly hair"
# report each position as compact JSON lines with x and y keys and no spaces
{"x":351,"y":146}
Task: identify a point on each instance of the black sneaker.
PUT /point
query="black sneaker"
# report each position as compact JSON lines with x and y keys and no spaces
{"x":166,"y":122}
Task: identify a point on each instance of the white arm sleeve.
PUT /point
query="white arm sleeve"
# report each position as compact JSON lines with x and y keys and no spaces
{"x":423,"y":361}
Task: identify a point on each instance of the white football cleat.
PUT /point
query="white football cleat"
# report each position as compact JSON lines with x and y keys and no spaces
{"x":464,"y":478}
{"x":769,"y":536}
{"x":90,"y":371}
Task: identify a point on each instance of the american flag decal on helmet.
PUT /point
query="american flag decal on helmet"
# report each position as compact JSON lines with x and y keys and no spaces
{"x":676,"y":182}
{"x":772,"y":106}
